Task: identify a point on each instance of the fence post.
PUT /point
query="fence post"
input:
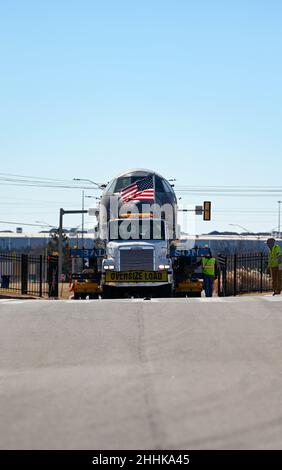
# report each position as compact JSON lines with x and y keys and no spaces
{"x":225,"y":277}
{"x":53,"y":278}
{"x":221,"y":276}
{"x":219,"y":280}
{"x":56,"y":277}
{"x":235,"y":275}
{"x":40,"y":275}
{"x":24,"y":273}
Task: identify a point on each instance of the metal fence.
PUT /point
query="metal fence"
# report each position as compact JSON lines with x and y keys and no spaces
{"x":29,"y":274}
{"x":242,"y":274}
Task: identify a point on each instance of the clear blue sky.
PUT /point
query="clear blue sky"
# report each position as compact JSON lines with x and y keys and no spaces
{"x":191,"y":89}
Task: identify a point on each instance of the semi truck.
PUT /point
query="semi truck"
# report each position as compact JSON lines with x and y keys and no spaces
{"x":142,"y":254}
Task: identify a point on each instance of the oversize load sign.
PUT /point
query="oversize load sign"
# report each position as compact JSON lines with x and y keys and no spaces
{"x":137,"y":276}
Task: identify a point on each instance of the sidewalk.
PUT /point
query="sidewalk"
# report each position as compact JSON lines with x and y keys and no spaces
{"x":9,"y":295}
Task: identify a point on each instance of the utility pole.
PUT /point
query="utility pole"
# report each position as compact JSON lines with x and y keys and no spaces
{"x":82,"y":220}
{"x":279,"y":219}
{"x":82,"y":228}
{"x":61,"y":244}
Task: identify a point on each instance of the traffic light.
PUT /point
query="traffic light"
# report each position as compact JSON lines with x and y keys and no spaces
{"x":207,"y":210}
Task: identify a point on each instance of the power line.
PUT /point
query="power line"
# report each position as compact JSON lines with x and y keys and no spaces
{"x":229,"y":186}
{"x":206,"y":193}
{"x":19,"y":223}
{"x":15,"y":180}
{"x":235,"y":211}
{"x":229,"y":190}
{"x":50,"y":186}
{"x":34,"y":177}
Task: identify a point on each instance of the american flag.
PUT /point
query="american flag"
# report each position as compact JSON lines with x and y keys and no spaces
{"x":142,"y":190}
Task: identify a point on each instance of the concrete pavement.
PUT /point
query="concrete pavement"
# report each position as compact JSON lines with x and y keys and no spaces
{"x":174,"y":373}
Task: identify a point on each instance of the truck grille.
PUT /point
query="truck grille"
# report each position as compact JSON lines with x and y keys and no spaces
{"x":137,"y":260}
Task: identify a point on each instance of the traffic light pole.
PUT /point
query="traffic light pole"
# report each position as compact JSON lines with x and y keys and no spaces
{"x":62,"y":213}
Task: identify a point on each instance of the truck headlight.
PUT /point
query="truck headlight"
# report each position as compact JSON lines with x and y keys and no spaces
{"x":164,"y":266}
{"x":109,"y":267}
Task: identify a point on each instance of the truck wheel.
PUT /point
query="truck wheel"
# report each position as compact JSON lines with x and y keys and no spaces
{"x":107,"y":293}
{"x":194,"y":294}
{"x":165,"y":291}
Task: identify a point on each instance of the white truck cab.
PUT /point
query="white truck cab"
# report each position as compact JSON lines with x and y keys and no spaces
{"x":137,"y":258}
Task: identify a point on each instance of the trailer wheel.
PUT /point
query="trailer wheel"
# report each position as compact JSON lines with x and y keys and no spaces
{"x":93,"y":296}
{"x":194,"y":294}
{"x":107,"y":293}
{"x":165,"y":292}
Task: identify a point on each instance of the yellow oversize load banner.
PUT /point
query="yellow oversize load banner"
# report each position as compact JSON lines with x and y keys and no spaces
{"x":137,"y":276}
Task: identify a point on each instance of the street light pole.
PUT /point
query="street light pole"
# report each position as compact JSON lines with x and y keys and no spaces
{"x":100,"y":186}
{"x":82,"y":228}
{"x":82,"y":220}
{"x":60,"y":244}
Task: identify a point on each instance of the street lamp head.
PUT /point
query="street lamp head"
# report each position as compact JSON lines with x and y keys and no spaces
{"x":100,"y":186}
{"x":241,"y":226}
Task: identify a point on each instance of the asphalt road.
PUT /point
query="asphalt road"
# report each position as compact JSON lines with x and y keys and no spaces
{"x":167,"y":374}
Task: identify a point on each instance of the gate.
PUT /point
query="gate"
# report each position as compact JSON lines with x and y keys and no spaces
{"x":243,"y":274}
{"x":35,"y":275}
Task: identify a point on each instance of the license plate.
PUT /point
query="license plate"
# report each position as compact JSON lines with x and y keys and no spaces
{"x":137,"y":276}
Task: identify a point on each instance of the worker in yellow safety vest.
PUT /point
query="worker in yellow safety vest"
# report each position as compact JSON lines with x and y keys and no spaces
{"x":209,"y":273}
{"x":275,"y":265}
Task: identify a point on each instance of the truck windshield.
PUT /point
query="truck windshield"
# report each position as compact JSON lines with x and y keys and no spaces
{"x":136,"y":229}
{"x":125,"y":181}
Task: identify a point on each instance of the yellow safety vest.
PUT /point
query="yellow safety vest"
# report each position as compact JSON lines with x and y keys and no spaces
{"x":208,"y":266}
{"x":273,"y":257}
